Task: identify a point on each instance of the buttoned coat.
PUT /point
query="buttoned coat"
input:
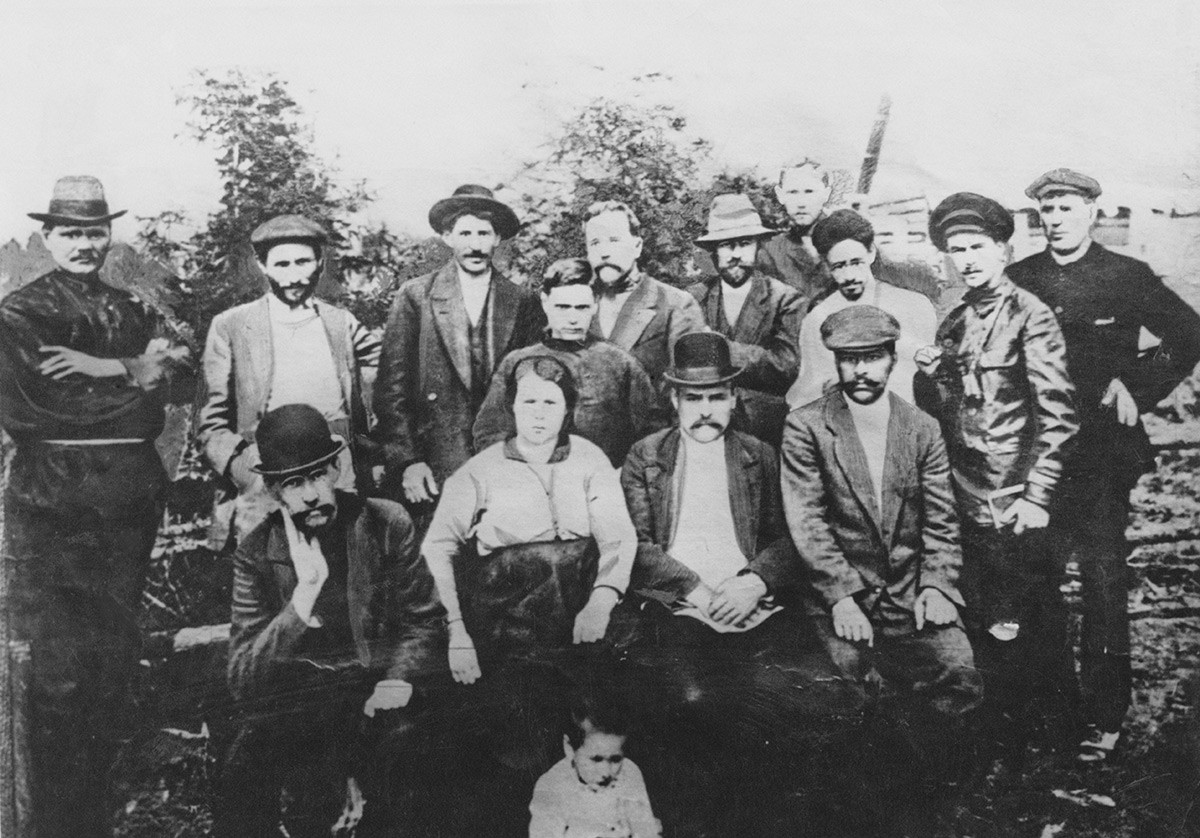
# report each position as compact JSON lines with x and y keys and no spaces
{"x":847,"y":544}
{"x":395,"y":616}
{"x":652,"y":319}
{"x":651,"y":493}
{"x":423,"y":391}
{"x":239,"y":363}
{"x":763,"y":342}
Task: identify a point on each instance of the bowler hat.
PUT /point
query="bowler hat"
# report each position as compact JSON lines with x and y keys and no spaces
{"x":293,"y":439}
{"x":288,"y":228}
{"x":77,"y":199}
{"x":968,"y":212}
{"x":1064,"y":180}
{"x":733,"y":217}
{"x":701,"y":359}
{"x":859,"y":327}
{"x":471,"y":196}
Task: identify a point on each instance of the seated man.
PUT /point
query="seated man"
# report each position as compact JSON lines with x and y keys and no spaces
{"x":866,"y":491}
{"x":723,"y":634}
{"x":334,"y":616}
{"x":617,"y":404}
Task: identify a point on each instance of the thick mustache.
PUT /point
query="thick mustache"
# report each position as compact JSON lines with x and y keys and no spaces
{"x":710,"y":423}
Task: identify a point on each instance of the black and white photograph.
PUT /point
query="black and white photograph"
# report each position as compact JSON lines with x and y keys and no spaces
{"x":600,"y":419}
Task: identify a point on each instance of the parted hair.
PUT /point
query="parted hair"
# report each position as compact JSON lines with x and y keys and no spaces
{"x":804,"y":163}
{"x":601,"y":207}
{"x":475,"y":212}
{"x":567,"y":272}
{"x":548,"y":368}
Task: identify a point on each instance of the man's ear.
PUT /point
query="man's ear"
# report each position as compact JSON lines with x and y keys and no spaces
{"x":776,"y":189}
{"x":873,"y":252}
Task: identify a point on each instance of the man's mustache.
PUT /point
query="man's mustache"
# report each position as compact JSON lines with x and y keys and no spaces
{"x":700,"y":423}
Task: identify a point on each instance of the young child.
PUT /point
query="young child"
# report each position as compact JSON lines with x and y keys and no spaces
{"x":594,"y":791}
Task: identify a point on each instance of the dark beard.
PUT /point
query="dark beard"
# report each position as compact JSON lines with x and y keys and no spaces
{"x":742,"y":277}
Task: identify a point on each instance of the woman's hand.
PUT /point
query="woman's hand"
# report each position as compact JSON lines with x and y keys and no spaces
{"x":592,"y":622}
{"x":464,"y":663}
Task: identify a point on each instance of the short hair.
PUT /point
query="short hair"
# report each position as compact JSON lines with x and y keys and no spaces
{"x":262,"y":250}
{"x":890,"y":346}
{"x":548,"y":368}
{"x":47,"y":226}
{"x":590,"y":714}
{"x":1058,"y":193}
{"x":567,"y":272}
{"x":839,"y":226}
{"x":601,"y":207}
{"x":805,"y":163}
{"x":476,"y":212}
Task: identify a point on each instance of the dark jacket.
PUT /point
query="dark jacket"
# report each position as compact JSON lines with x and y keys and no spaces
{"x":617,"y":404}
{"x":650,"y":322}
{"x":849,"y":546}
{"x":1102,"y":302}
{"x":648,"y":479}
{"x":423,"y":393}
{"x":395,"y":615}
{"x":764,"y":342}
{"x":786,"y":258}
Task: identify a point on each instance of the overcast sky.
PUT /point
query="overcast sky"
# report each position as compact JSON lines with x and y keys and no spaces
{"x":419,"y":97}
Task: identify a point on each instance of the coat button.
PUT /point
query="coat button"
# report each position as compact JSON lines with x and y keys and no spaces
{"x":1058,"y":309}
{"x":432,"y":397}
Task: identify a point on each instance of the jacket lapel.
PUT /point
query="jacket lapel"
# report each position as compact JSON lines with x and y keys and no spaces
{"x":660,"y":476}
{"x":260,"y":356}
{"x":635,"y":315}
{"x":712,"y":303}
{"x":279,"y":558}
{"x":450,"y":319}
{"x":851,"y":457}
{"x":506,"y":300}
{"x":741,"y":464}
{"x":897,"y":464}
{"x":750,"y":319}
{"x":341,"y":351}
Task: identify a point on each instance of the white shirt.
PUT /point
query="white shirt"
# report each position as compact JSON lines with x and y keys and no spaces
{"x":705,"y":539}
{"x":871,"y":424}
{"x":732,"y":300}
{"x":610,"y":310}
{"x":474,"y":293}
{"x":303,"y":370}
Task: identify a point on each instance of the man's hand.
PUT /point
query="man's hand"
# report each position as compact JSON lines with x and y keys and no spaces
{"x":736,"y":598}
{"x":464,"y":664}
{"x":1117,"y":395}
{"x":592,"y":622}
{"x":390,"y":694}
{"x":311,"y":573}
{"x":1024,"y":515}
{"x":61,"y":361}
{"x":932,"y":606}
{"x":928,"y":359}
{"x":418,"y":483}
{"x":850,"y":623}
{"x":700,"y":597}
{"x":240,"y":471}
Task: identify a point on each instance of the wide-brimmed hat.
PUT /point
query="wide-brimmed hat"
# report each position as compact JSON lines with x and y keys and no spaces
{"x":859,"y":327}
{"x":473,"y":196}
{"x":77,"y":199}
{"x":701,"y":359}
{"x":292,"y":439}
{"x":969,"y":212}
{"x":292,"y":228}
{"x":733,"y":217}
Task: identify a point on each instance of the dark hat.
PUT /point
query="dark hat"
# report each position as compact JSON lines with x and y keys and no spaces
{"x":859,"y":327}
{"x":733,"y":217}
{"x":472,"y":196}
{"x":967,"y":212}
{"x":294,"y":438}
{"x":701,"y":359}
{"x":77,"y":199}
{"x":288,"y":228}
{"x":1064,"y":180}
{"x":839,"y":226}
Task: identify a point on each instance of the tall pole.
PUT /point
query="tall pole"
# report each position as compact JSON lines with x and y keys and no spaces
{"x":874,"y":144}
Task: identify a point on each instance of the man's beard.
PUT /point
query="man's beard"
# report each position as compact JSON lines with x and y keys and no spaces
{"x":736,"y":275}
{"x":281,"y":293}
{"x":620,"y":285}
{"x":302,"y":519}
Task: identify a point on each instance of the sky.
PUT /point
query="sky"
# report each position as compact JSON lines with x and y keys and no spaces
{"x":419,"y":97}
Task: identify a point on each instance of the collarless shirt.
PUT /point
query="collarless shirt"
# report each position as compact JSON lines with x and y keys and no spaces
{"x":474,"y":290}
{"x":303,"y":369}
{"x":732,"y":300}
{"x":705,"y":539}
{"x":871,"y":424}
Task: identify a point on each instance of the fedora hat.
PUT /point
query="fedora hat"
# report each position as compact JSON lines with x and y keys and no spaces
{"x":733,"y":217}
{"x":472,"y":196}
{"x":77,"y":199}
{"x":292,"y":439}
{"x":701,"y":359}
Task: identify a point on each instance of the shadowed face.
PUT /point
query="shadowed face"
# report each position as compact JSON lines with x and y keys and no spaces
{"x":850,"y":264}
{"x":472,"y":241}
{"x":309,"y":497}
{"x":598,"y":760}
{"x":1067,"y":219}
{"x":704,"y":412}
{"x":611,"y":248}
{"x":569,"y":310}
{"x":292,"y":269}
{"x":980,"y":260}
{"x":735,"y":259}
{"x":803,"y":194}
{"x":78,"y":249}
{"x":538,"y":410}
{"x":864,"y":373}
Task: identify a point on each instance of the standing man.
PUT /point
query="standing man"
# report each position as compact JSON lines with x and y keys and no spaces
{"x":84,"y":369}
{"x":803,"y":190}
{"x":1006,"y":405}
{"x":445,"y":336}
{"x":286,"y":347}
{"x":1103,"y":301}
{"x":866,"y":491}
{"x":846,"y":242}
{"x":636,"y":312}
{"x":616,"y":404}
{"x":760,"y":316}
{"x":334,"y":619}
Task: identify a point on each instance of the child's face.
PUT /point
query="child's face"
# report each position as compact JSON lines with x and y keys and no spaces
{"x":598,"y":760}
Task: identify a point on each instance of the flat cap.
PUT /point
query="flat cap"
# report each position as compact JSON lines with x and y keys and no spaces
{"x":859,"y":327}
{"x":1064,"y":180}
{"x":288,"y":228}
{"x":968,"y":212}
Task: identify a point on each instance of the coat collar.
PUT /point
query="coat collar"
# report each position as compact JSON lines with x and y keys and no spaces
{"x":450,"y":316}
{"x":635,"y":315}
{"x":753,"y":314}
{"x":852,"y":458}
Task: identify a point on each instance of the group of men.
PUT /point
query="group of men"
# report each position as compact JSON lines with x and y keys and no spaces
{"x":799,"y":491}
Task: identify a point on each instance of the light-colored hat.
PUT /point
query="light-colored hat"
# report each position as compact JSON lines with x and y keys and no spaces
{"x":77,"y":199}
{"x":733,"y":217}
